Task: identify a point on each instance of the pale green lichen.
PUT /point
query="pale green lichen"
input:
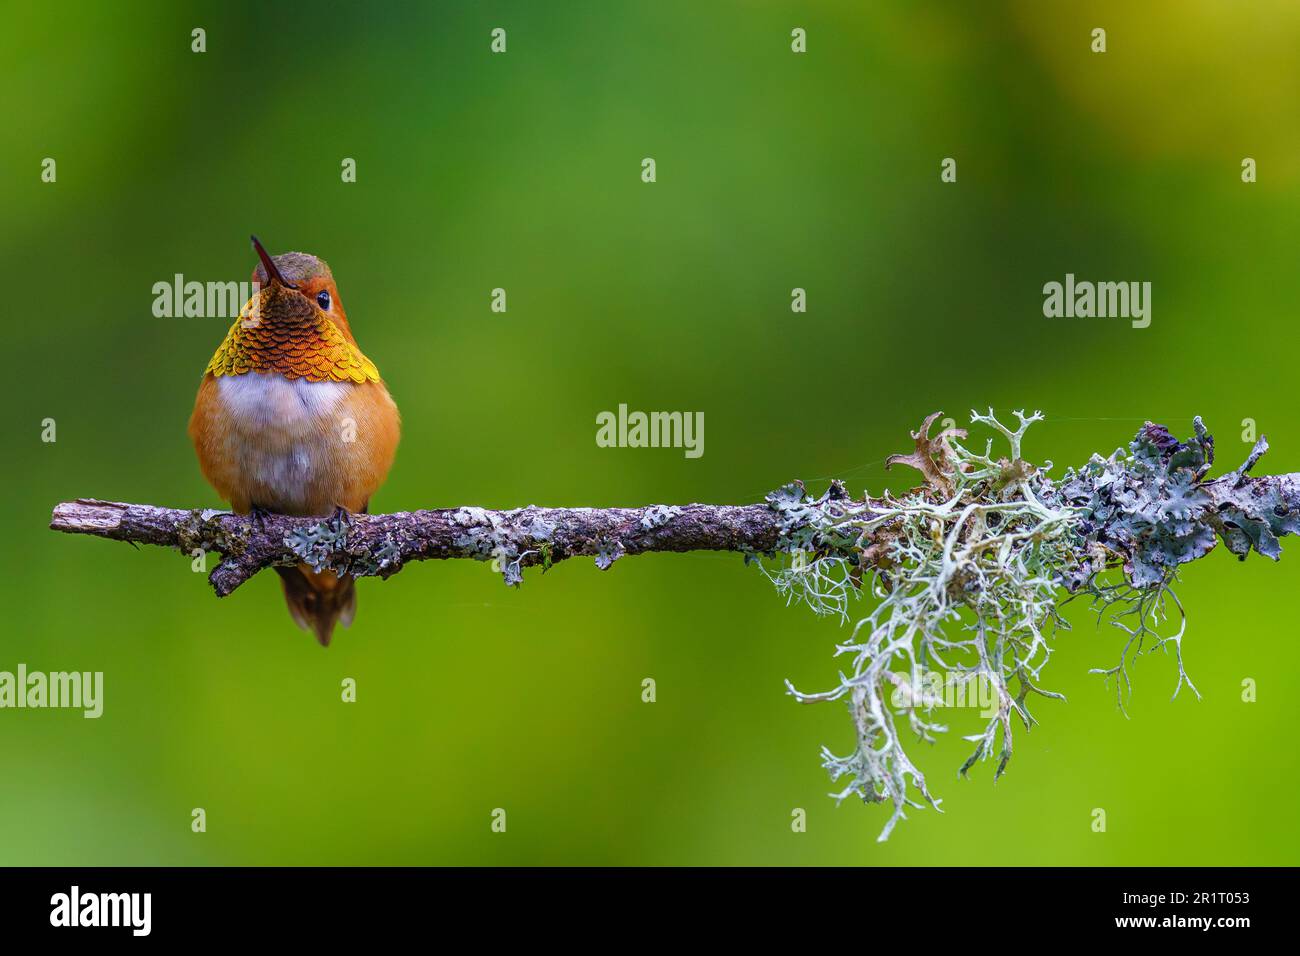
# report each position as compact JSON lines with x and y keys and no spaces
{"x":318,"y":545}
{"x":968,"y":571}
{"x":607,"y":552}
{"x":656,"y":516}
{"x":203,"y":530}
{"x":506,"y":539}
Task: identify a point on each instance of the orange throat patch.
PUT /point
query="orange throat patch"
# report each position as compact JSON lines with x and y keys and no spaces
{"x":280,"y":331}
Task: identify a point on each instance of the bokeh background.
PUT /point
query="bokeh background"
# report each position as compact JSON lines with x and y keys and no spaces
{"x":522,"y":171}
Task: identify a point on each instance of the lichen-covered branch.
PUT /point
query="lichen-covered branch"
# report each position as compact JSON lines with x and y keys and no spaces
{"x":380,"y":545}
{"x":967,"y":572}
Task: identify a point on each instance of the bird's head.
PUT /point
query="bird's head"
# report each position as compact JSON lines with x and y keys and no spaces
{"x":294,"y":282}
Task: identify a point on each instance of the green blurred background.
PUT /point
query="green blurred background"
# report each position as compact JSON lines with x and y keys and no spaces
{"x":522,"y":171}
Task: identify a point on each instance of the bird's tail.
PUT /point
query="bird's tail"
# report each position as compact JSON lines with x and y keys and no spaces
{"x":318,"y":601}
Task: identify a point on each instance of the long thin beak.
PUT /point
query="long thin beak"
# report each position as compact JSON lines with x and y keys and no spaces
{"x":268,"y":264}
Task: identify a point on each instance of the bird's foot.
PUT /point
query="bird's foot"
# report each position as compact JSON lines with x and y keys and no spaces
{"x":258,"y":515}
{"x":341,"y":518}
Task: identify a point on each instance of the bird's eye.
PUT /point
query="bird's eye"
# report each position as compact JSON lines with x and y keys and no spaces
{"x":323,"y":300}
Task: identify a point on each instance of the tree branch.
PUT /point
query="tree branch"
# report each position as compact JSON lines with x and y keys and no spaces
{"x":378,"y":545}
{"x":1151,"y":511}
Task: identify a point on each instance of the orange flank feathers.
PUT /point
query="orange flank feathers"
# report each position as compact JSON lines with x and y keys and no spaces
{"x":291,"y":417}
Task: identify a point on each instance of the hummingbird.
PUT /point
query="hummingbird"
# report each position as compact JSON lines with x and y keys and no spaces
{"x":292,"y":418}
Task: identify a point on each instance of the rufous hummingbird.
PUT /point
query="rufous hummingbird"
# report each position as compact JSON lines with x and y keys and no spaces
{"x":291,"y":417}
